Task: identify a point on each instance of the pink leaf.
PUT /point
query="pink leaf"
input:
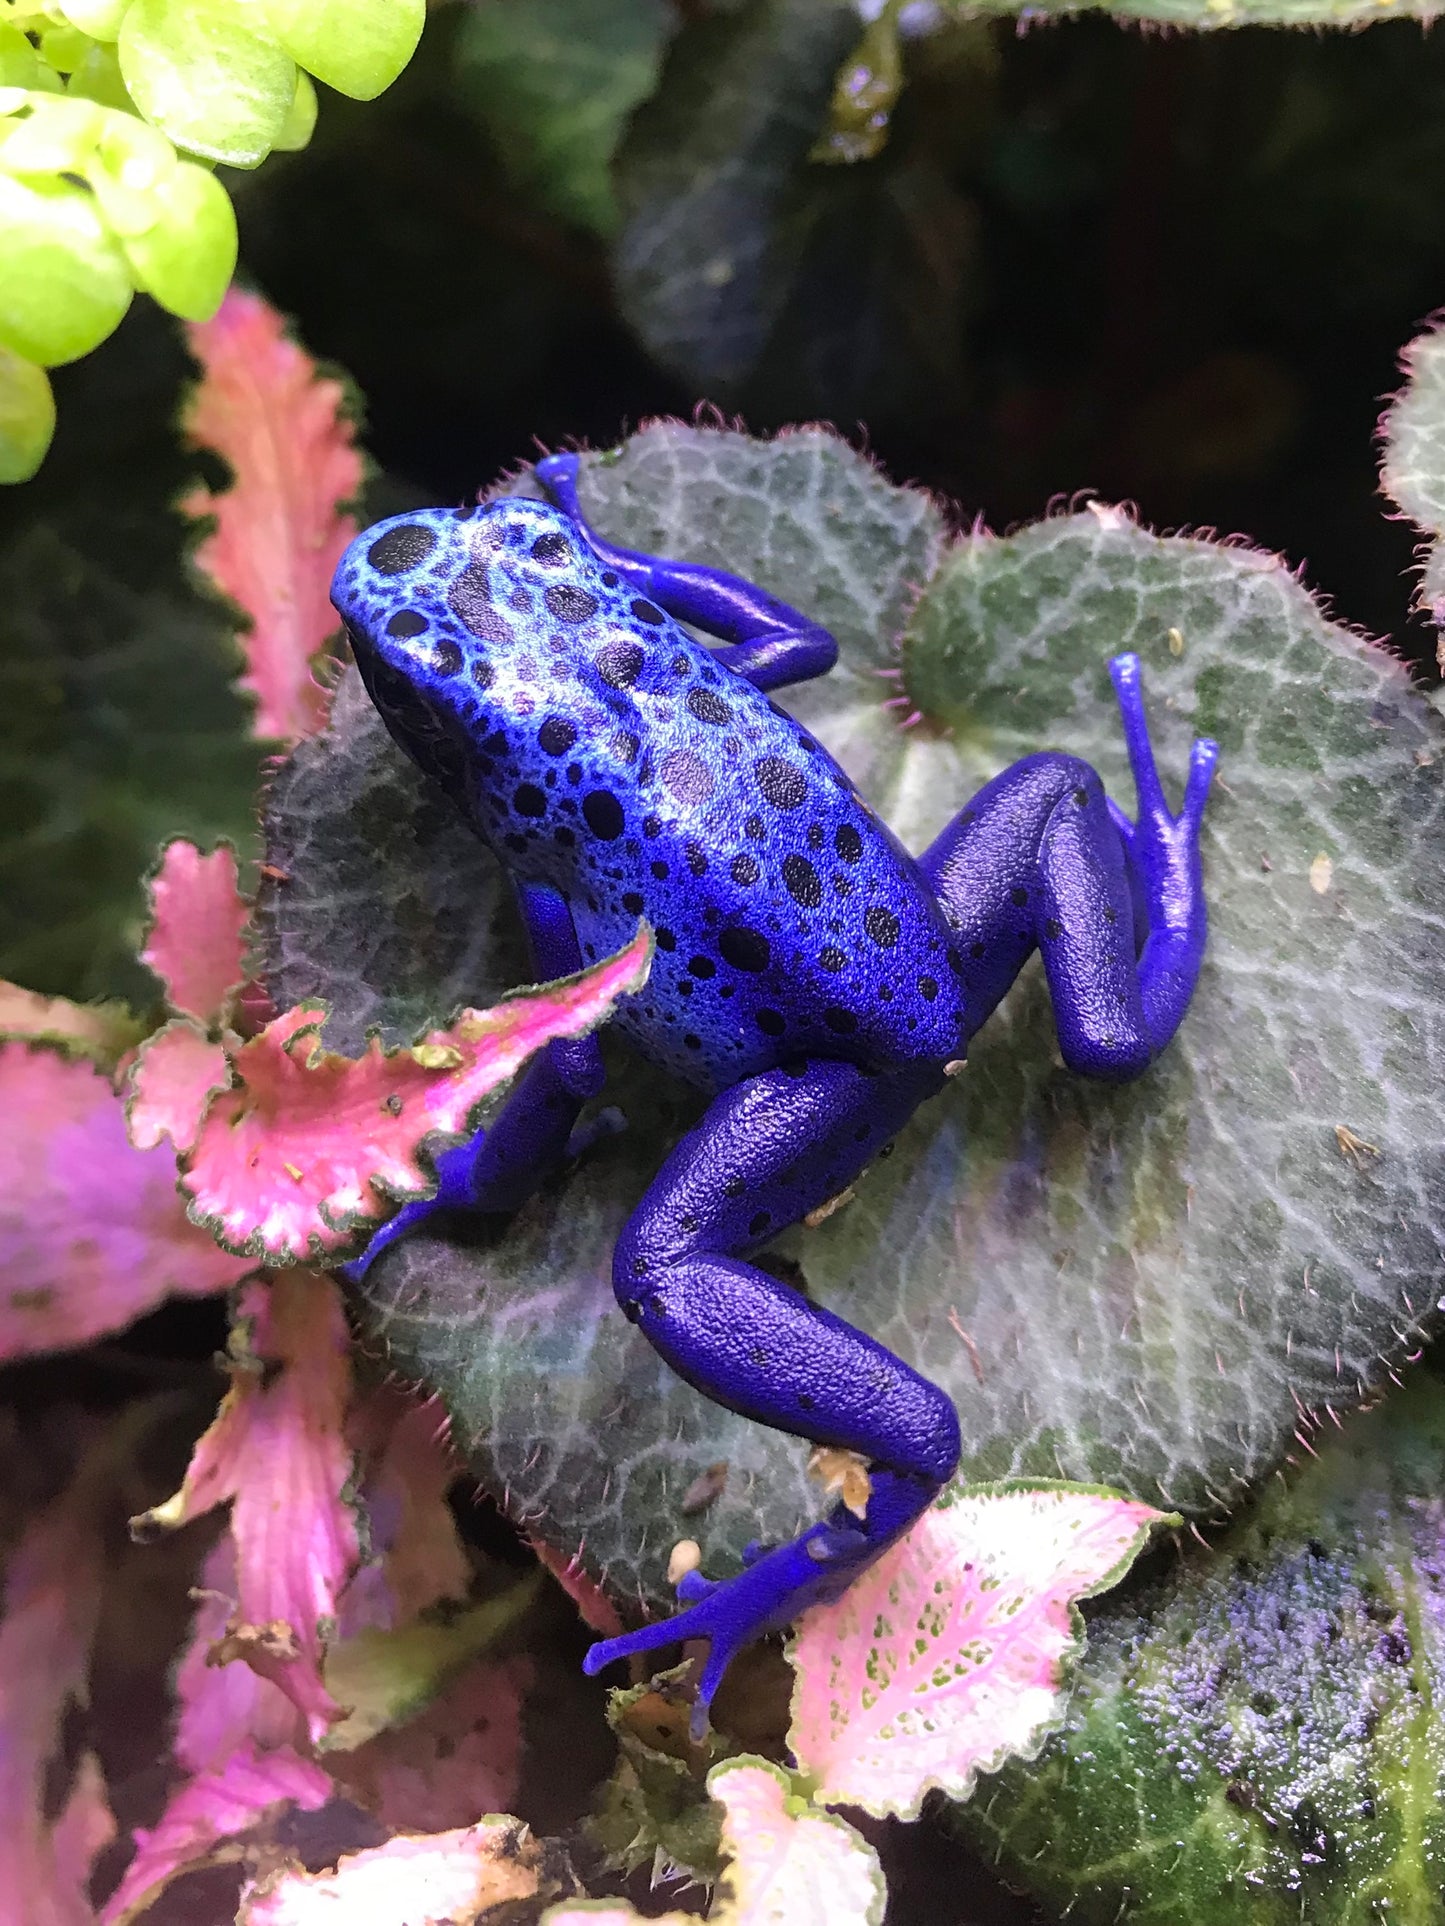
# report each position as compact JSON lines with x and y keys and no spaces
{"x":205,"y":1823}
{"x":439,"y":1879}
{"x":92,"y":1233}
{"x":223,"y":1709}
{"x":86,"y":1824}
{"x":788,"y":1862}
{"x":294,"y":1160}
{"x":594,"y":1607}
{"x":197,"y":920}
{"x":278,"y":530}
{"x":52,"y":1599}
{"x":947,"y":1656}
{"x":176,"y":1072}
{"x":278,"y":1451}
{"x":101,"y":1031}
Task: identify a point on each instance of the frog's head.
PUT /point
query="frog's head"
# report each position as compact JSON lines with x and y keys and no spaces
{"x":435,"y":602}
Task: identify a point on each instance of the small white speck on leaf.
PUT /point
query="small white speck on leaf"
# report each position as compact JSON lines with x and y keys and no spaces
{"x":1322,"y":872}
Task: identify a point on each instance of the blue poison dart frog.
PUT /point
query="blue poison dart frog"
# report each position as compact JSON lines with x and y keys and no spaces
{"x":816,"y":980}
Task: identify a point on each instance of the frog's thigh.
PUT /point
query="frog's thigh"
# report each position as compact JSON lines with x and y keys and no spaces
{"x":767,"y":1152}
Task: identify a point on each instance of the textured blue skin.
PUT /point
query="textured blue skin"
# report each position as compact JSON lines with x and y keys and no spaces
{"x":810,"y":974}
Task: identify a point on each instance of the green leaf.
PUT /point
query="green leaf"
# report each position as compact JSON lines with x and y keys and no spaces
{"x":555,"y":82}
{"x":206,"y":76}
{"x":711,"y":244}
{"x":27,"y":417}
{"x":1414,"y":468}
{"x":356,"y":46}
{"x":186,"y":259}
{"x":1254,"y":1741}
{"x":1137,"y":1286}
{"x":301,"y":121}
{"x":99,"y":18}
{"x":116,"y":679}
{"x":752,"y":272}
{"x":66,"y":284}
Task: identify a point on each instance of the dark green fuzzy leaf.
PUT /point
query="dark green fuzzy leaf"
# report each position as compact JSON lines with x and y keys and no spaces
{"x":123,"y":727}
{"x":709,"y":178}
{"x":554,"y":82}
{"x":122,"y":730}
{"x":1414,"y":467}
{"x":1254,"y":1741}
{"x":1135,"y":1286}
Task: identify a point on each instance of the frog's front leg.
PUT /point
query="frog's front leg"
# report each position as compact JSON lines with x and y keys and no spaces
{"x":1041,"y":858}
{"x":772,"y":644}
{"x":768,"y":1151}
{"x":499,"y":1167}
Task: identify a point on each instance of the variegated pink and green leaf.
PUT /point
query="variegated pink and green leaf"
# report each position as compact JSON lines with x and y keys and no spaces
{"x":950,"y":1654}
{"x":298,"y":1158}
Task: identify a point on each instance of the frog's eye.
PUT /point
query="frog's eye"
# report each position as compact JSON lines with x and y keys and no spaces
{"x":401,"y":548}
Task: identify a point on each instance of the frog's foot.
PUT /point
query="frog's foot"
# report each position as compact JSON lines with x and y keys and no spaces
{"x":558,"y":475}
{"x":454,"y":1169}
{"x":775,"y":1586}
{"x":1160,"y":843}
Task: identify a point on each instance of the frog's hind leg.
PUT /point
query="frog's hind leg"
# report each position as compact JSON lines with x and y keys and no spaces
{"x":772,"y":644}
{"x":1041,"y":858}
{"x":767,"y":1152}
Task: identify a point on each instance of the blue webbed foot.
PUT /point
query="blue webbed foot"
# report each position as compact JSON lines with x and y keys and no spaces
{"x":770,"y":1592}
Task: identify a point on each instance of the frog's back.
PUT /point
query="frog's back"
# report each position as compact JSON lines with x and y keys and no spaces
{"x":609,"y":754}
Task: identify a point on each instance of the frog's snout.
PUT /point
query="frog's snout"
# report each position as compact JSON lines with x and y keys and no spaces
{"x":376,"y":570}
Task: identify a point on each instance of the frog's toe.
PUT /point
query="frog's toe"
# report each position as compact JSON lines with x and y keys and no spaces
{"x":692,"y":1586}
{"x":558,"y":475}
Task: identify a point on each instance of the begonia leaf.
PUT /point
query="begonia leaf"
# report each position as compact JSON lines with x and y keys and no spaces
{"x":948,"y":1656}
{"x":207,"y":1820}
{"x":280,"y":528}
{"x":92,"y":1233}
{"x":176,"y":1073}
{"x":1254,"y":1737}
{"x":278,"y":1452}
{"x":1139,"y":1285}
{"x":1413,"y":475}
{"x":442,"y":1879}
{"x":197,"y":921}
{"x":302,"y":1152}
